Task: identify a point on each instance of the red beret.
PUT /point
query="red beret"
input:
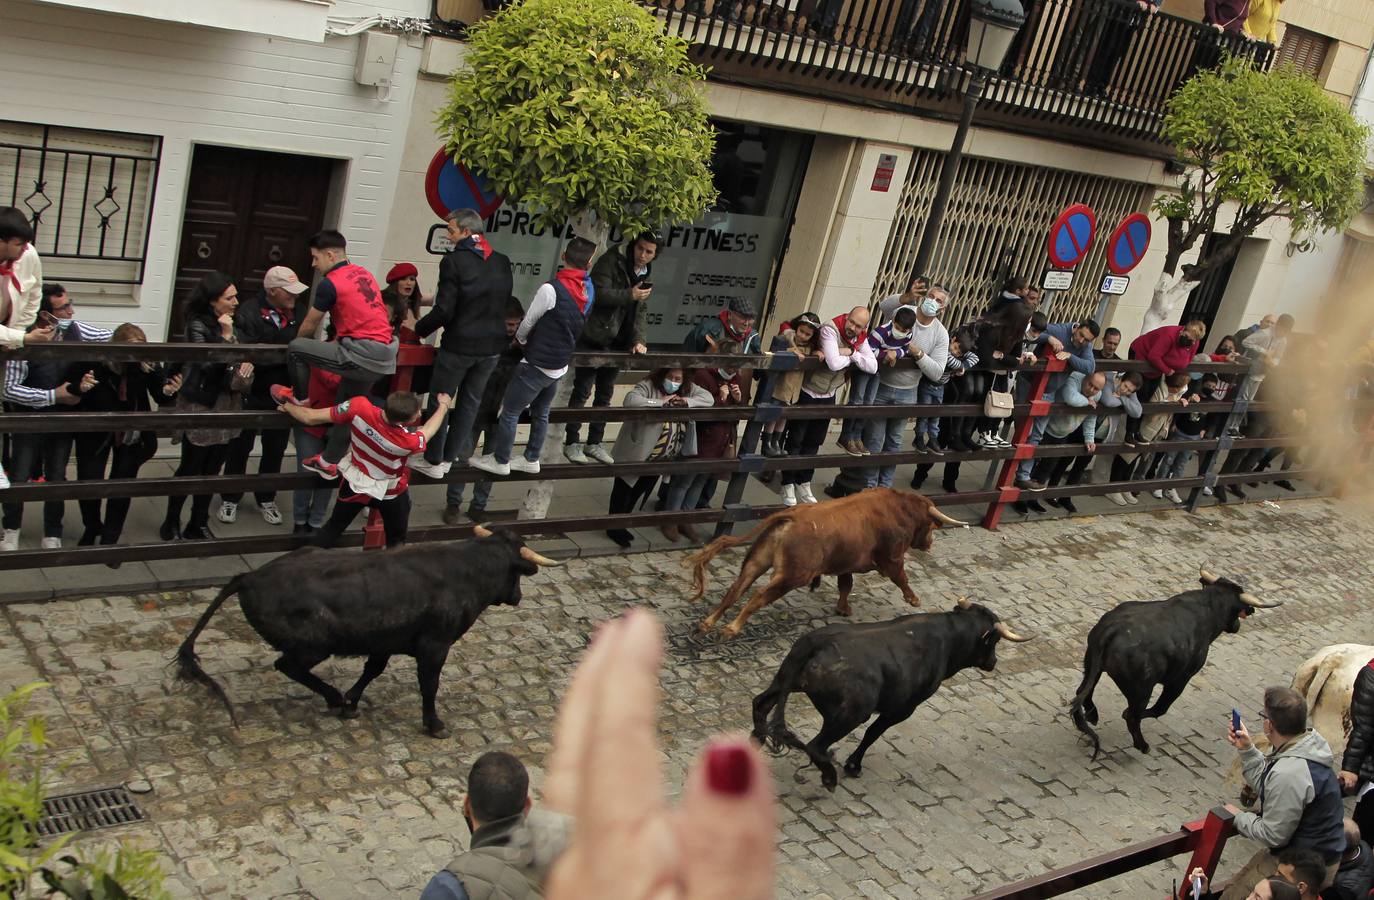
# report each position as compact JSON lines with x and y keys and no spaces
{"x":402,"y":270}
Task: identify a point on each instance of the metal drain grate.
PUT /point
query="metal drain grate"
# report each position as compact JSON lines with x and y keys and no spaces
{"x":101,"y":808}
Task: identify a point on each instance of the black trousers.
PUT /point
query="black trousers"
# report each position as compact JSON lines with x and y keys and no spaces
{"x":274,"y":441}
{"x":625,"y":497}
{"x":195,"y":461}
{"x":587,"y":379}
{"x":94,"y":451}
{"x":1364,"y":815}
{"x":804,"y":438}
{"x":33,"y":455}
{"x":1050,"y":470}
{"x":395,"y":516}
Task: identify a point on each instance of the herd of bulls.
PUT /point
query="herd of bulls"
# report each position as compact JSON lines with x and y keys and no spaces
{"x":419,"y":600}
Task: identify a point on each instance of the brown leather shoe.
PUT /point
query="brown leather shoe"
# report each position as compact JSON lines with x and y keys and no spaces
{"x":453,"y":515}
{"x":689,"y":531}
{"x":671,"y":533}
{"x":853,"y":448}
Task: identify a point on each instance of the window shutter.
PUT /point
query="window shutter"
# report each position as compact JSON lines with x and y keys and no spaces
{"x":1304,"y":50}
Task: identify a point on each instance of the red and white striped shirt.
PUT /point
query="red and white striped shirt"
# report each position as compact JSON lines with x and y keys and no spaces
{"x":377,"y":452}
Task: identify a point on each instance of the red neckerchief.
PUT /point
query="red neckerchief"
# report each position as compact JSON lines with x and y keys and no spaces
{"x":839,"y":322}
{"x":480,"y":244}
{"x":7,"y":271}
{"x":740,"y":336}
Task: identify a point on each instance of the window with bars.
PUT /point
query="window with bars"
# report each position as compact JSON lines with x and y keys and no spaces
{"x":89,"y":195}
{"x":1304,"y":50}
{"x":997,"y":225}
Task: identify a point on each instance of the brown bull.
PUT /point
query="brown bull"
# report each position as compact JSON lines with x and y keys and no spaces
{"x":860,"y":533}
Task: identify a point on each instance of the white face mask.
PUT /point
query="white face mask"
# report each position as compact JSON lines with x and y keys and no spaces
{"x":899,"y":334}
{"x":724,"y":374}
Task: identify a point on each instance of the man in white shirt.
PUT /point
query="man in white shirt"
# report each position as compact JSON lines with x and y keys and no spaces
{"x":21,"y":287}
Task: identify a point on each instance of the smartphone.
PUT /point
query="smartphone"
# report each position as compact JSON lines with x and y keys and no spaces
{"x":647,"y":285}
{"x":48,"y":318}
{"x":1235,"y":719}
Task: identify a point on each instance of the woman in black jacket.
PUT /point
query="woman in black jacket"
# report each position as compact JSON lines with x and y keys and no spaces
{"x":206,"y":386}
{"x":119,"y":387}
{"x":1357,"y":766}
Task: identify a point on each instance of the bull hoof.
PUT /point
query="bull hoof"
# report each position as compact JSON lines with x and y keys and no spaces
{"x":844,"y":611}
{"x":728,"y":634}
{"x":349,"y":712}
{"x":438,"y":732}
{"x":1142,"y":745}
{"x":704,"y":629}
{"x":829,"y":782}
{"x":1090,"y":713}
{"x":853,"y":769}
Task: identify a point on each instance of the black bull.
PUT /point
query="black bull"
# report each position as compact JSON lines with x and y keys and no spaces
{"x":851,"y":672}
{"x":414,"y":600}
{"x":1161,"y":642}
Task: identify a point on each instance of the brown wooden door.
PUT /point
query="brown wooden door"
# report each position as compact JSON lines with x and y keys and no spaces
{"x":246,"y":211}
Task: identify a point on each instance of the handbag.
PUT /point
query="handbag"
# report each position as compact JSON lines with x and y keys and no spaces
{"x":998,"y":404}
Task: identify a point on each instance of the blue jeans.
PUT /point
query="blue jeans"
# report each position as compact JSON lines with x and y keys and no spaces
{"x":310,"y":506}
{"x":464,"y":377}
{"x":684,"y":491}
{"x":1036,"y":433}
{"x":1174,"y":462}
{"x":863,"y":388}
{"x":885,"y":435}
{"x":481,"y":488}
{"x":529,"y":389}
{"x":929,"y":392}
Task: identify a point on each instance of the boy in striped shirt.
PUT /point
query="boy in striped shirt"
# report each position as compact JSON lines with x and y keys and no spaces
{"x":374,"y":471}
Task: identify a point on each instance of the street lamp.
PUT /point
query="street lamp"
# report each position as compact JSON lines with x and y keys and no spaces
{"x":993,"y":25}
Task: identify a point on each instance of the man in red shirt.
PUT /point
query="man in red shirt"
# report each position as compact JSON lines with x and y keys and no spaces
{"x":1167,"y":349}
{"x":365,"y":348}
{"x":374,"y":472}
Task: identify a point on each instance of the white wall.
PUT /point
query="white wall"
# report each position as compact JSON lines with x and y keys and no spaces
{"x":193,"y":85}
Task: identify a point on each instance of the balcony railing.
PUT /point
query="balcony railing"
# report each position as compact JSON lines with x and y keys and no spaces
{"x":1098,"y":68}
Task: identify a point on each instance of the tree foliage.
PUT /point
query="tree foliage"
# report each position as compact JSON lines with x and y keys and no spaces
{"x":1273,"y":143}
{"x":583,"y":107}
{"x":29,"y":868}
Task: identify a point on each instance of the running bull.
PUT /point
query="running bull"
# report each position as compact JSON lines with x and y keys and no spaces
{"x":414,"y":600}
{"x":1161,"y":642}
{"x":870,"y":530}
{"x":851,"y":672}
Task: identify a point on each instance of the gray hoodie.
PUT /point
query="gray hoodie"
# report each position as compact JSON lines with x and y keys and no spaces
{"x":1299,"y":797}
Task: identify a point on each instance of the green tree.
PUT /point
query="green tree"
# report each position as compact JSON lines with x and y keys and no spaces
{"x":1270,"y":145}
{"x":29,"y":868}
{"x":583,"y":110}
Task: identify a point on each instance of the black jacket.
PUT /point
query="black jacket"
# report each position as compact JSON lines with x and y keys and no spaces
{"x":253,"y":324}
{"x":470,"y":302}
{"x":617,"y":320}
{"x":141,"y":389}
{"x":205,"y":381}
{"x":1354,"y":879}
{"x":1359,"y":748}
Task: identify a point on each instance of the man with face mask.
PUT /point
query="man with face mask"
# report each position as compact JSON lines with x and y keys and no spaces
{"x":512,"y":847}
{"x":1167,"y":349}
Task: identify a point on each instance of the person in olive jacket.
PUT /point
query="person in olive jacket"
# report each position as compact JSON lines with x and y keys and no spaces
{"x":616,"y":323}
{"x":1357,"y":766}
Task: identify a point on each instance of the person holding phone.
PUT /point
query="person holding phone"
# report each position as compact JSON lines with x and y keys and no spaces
{"x":1357,"y":765}
{"x":616,"y":323}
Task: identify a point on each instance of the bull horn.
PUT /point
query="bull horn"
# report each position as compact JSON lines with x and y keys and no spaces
{"x":1010,"y":635}
{"x":963,"y":603}
{"x":1207,"y":576}
{"x":529,"y":555}
{"x":481,"y":531}
{"x":948,"y":520}
{"x":1250,"y":599}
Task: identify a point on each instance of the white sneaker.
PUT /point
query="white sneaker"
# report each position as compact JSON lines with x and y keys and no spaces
{"x":51,"y":543}
{"x":804,"y":493}
{"x":573,"y":453}
{"x":10,"y":540}
{"x":1172,"y":494}
{"x":520,"y":464}
{"x":488,"y":463}
{"x":1130,"y":498}
{"x":1118,"y":499}
{"x":1207,"y":492}
{"x":789,"y":498}
{"x":598,"y":453}
{"x":1157,"y":493}
{"x":425,"y":467}
{"x":4,"y":479}
{"x":228,"y":512}
{"x":270,"y":514}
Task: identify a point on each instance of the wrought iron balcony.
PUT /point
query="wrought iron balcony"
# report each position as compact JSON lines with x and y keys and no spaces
{"x":1091,"y":71}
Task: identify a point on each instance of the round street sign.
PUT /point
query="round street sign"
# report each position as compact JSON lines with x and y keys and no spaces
{"x":1127,"y":245}
{"x":450,"y":185}
{"x":1071,"y":236}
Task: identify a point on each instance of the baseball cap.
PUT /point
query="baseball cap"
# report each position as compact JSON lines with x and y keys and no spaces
{"x":283,"y":277}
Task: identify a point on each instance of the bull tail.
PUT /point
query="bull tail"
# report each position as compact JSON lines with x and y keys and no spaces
{"x":1092,"y":673}
{"x":1310,"y":679}
{"x":703,"y":557}
{"x":188,"y":664}
{"x":770,"y":707}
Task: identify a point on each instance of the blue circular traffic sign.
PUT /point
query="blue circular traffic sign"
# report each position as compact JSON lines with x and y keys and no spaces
{"x":1128,"y":244}
{"x":1071,"y":236}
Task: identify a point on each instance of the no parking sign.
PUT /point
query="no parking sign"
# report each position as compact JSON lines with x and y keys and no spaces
{"x":1071,"y":236}
{"x":450,"y":185}
{"x":1128,"y":243}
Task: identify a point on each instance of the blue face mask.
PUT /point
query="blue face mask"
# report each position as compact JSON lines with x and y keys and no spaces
{"x":671,"y":387}
{"x":930,"y":306}
{"x":64,"y":324}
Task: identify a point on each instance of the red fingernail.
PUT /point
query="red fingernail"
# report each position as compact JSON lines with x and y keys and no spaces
{"x":728,"y":770}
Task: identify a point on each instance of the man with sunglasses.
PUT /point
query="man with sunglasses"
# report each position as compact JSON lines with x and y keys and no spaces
{"x":1299,"y":796}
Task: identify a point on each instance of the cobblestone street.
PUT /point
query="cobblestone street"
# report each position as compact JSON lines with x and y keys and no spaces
{"x":988,"y":782}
